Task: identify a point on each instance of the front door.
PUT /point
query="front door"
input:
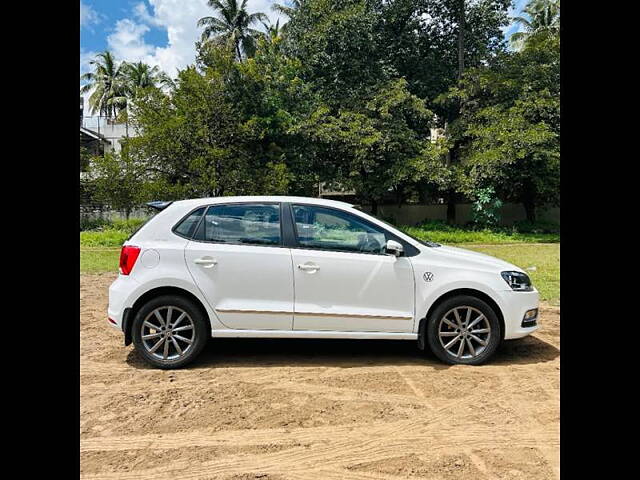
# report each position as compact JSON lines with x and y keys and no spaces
{"x":343,"y":279}
{"x":238,"y":262}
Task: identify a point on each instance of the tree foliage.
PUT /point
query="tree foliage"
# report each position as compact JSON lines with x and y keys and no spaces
{"x":114,"y":85}
{"x":106,"y":82}
{"x":117,"y":180}
{"x":232,"y":26}
{"x":346,"y":94}
{"x":510,"y":126}
{"x":541,"y":20}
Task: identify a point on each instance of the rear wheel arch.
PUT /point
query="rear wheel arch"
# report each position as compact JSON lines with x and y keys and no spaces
{"x":154,"y":293}
{"x":455,"y":293}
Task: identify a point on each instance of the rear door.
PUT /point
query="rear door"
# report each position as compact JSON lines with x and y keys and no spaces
{"x":343,"y":279}
{"x":238,"y":261}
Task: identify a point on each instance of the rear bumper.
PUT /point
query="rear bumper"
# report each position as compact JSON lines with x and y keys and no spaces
{"x":515,"y":304}
{"x":119,"y":296}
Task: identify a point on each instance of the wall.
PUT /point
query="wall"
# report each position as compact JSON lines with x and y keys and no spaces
{"x":88,"y":212}
{"x":414,"y":214}
{"x":405,"y":215}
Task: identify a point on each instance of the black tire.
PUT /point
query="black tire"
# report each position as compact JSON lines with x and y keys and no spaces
{"x":201,"y":331}
{"x":483,"y":352}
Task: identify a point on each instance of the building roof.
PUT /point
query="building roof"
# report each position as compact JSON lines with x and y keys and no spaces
{"x":92,"y":134}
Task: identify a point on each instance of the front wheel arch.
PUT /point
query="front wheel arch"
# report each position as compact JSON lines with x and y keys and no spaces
{"x":422,"y":340}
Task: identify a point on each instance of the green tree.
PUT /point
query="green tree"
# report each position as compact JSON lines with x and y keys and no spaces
{"x":232,"y":26}
{"x":142,"y":75}
{"x":273,"y":31}
{"x":200,"y":139}
{"x":376,"y":149}
{"x":85,"y":159}
{"x":136,"y":77}
{"x":541,"y":21}
{"x":338,"y":46}
{"x":431,"y":43}
{"x":107,"y":84}
{"x":116,"y":181}
{"x":288,"y":8}
{"x":510,"y":126}
{"x":273,"y":98}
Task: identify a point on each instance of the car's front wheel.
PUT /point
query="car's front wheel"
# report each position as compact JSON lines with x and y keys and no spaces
{"x":463,"y":330}
{"x":169,"y":331}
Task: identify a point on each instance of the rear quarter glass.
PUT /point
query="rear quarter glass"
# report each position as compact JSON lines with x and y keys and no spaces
{"x":186,"y":227}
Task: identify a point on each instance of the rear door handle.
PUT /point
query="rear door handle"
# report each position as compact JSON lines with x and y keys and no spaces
{"x":308,"y":267}
{"x":206,"y":262}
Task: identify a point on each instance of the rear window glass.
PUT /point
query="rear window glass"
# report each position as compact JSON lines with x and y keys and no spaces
{"x":251,"y":224}
{"x":187,"y":226}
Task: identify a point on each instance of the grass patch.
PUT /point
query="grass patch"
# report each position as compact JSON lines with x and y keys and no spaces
{"x":441,"y":232}
{"x":103,"y":238}
{"x":99,"y":260}
{"x":545,"y":258}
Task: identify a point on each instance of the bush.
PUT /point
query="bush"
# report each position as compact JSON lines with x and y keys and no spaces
{"x":93,"y":223}
{"x":109,"y":233}
{"x":540,"y":226}
{"x":100,"y":224}
{"x":486,"y":208}
{"x":128,"y":226}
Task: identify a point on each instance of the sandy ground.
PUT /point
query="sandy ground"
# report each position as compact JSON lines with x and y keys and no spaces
{"x":316,"y":409}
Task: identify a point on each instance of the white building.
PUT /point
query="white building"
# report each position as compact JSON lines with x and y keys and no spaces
{"x":102,"y":134}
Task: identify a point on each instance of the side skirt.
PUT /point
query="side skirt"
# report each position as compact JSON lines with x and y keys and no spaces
{"x":312,"y":334}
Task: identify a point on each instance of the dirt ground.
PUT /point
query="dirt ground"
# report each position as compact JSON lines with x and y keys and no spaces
{"x":316,"y":409}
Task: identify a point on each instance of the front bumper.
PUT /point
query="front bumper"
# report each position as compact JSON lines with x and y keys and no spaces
{"x":515,"y":305}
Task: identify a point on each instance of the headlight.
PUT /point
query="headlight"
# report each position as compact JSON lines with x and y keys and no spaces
{"x":517,"y":281}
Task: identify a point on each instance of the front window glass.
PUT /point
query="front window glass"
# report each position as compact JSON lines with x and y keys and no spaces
{"x":251,"y":224}
{"x":328,"y":229}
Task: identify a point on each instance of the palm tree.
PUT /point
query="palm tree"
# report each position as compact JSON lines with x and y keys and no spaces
{"x":543,"y":20}
{"x":143,"y":75}
{"x":272,"y":31}
{"x":285,"y":9}
{"x":232,"y":26}
{"x":107,"y":83}
{"x":137,"y":76}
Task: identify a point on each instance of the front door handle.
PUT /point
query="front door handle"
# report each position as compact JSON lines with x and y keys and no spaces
{"x":308,"y":267}
{"x":206,"y":262}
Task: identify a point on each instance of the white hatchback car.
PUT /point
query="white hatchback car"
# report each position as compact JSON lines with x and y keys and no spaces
{"x":292,"y":267}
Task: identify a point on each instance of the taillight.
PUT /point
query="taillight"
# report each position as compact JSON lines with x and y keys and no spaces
{"x":128,"y":256}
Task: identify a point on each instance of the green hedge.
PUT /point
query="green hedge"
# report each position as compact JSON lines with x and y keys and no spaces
{"x":108,"y":233}
{"x":99,"y":224}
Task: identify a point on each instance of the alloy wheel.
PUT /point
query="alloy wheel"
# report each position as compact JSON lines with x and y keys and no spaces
{"x":464,"y":332}
{"x":167,"y":333}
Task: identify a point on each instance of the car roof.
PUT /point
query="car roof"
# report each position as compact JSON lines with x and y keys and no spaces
{"x":262,"y":198}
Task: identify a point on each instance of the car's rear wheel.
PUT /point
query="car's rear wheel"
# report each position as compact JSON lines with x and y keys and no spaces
{"x":169,"y":331}
{"x":463,"y":330}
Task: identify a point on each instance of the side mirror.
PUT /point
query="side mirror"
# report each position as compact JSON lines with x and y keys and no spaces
{"x":394,"y":248}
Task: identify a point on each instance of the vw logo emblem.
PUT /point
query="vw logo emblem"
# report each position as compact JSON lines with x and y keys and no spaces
{"x":428,"y":276}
